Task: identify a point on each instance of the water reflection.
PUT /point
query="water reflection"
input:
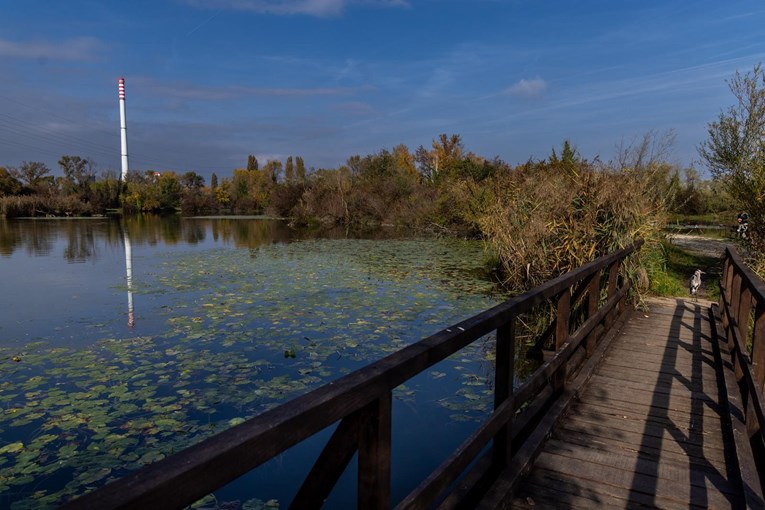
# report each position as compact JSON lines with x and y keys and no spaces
{"x":129,"y":277}
{"x":82,"y":238}
{"x":81,"y":243}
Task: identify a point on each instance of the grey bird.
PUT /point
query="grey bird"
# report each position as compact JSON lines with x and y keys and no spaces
{"x":696,"y":283}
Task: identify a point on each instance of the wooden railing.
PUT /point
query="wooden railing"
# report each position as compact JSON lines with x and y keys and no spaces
{"x":361,"y":402}
{"x":742,"y":310}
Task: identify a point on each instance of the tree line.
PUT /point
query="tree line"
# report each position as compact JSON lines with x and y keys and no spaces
{"x":440,"y":187}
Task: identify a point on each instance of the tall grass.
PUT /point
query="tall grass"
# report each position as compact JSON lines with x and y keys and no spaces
{"x":545,"y":221}
{"x":43,"y":205}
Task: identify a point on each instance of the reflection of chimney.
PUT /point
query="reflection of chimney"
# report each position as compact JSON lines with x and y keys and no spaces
{"x":129,"y":271}
{"x":123,"y":129}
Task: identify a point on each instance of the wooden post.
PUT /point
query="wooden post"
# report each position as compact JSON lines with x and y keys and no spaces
{"x":561,"y":335}
{"x":727,"y":281}
{"x":735,"y":297}
{"x":729,"y":274}
{"x":374,"y":456}
{"x":332,"y":461}
{"x":743,"y":313}
{"x":504,"y":375}
{"x":593,"y":297}
{"x":752,"y":425}
{"x":758,"y":345}
{"x":613,"y":278}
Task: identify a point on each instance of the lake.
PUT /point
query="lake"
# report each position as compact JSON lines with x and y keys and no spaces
{"x":124,"y":340}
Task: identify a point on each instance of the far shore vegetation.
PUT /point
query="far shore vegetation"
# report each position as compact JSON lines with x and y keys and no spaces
{"x":539,"y":219}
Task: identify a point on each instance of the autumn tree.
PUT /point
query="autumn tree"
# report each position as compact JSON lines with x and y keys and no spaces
{"x":32,"y":173}
{"x":300,"y":169}
{"x":442,"y":160}
{"x":79,"y":174}
{"x":105,"y":191}
{"x":214,"y":181}
{"x":9,"y":185}
{"x":170,"y":190}
{"x":735,"y":149}
{"x":222,"y":193}
{"x":404,"y":159}
{"x":192,"y":181}
{"x":273,"y":168}
{"x":252,"y":163}
{"x":289,"y":171}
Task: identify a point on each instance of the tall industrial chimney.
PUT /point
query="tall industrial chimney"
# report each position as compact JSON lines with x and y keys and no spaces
{"x":123,"y":129}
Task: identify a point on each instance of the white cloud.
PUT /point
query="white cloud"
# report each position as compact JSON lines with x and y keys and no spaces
{"x":320,"y":8}
{"x":81,"y":48}
{"x":529,"y":88}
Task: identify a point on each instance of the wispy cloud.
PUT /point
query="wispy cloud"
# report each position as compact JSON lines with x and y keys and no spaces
{"x":528,"y":88}
{"x":320,"y":8}
{"x":357,"y":108}
{"x":213,"y":93}
{"x":81,"y":48}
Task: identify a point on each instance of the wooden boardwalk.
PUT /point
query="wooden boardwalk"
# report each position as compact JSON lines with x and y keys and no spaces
{"x":650,"y":430}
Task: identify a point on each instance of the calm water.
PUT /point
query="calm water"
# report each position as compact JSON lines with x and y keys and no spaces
{"x":123,"y":341}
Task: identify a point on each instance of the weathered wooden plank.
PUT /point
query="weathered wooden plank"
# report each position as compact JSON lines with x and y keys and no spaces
{"x":687,"y":364}
{"x":652,"y":343}
{"x":613,"y":439}
{"x":676,"y":388}
{"x":663,"y":416}
{"x":655,"y":346}
{"x":660,"y":380}
{"x":649,"y":484}
{"x":657,"y":400}
{"x":657,"y":331}
{"x":648,"y":430}
{"x":587,"y":417}
{"x":598,"y":494}
{"x":666,"y":470}
{"x":661,"y":374}
{"x":542,"y":496}
{"x":664,"y":380}
{"x":656,"y":368}
{"x":374,"y":456}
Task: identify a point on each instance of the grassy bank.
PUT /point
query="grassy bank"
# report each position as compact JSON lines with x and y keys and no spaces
{"x":671,"y":267}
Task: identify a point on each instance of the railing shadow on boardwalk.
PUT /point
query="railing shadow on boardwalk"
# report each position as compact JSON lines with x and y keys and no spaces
{"x":690,"y":437}
{"x":650,"y":428}
{"x":695,"y":381}
{"x":488,"y":465}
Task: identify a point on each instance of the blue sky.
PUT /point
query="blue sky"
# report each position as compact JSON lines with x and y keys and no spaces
{"x":211,"y":81}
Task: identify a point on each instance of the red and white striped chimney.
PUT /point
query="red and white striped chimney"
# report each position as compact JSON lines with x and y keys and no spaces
{"x":123,"y":129}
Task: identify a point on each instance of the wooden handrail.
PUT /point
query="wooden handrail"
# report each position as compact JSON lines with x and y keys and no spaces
{"x":361,"y":401}
{"x":742,"y":295}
